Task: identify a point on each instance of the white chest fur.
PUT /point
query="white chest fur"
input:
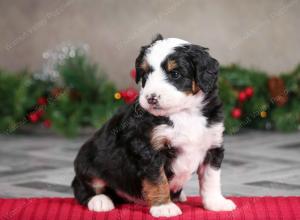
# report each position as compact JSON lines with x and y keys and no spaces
{"x":192,"y":138}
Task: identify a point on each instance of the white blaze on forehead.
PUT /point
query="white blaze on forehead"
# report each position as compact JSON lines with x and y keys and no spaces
{"x":161,"y":49}
{"x":170,"y":98}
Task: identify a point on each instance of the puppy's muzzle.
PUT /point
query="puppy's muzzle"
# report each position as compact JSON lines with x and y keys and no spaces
{"x":152,"y":99}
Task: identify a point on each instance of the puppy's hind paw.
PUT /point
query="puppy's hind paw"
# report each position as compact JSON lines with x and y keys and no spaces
{"x":100,"y":203}
{"x":165,"y":210}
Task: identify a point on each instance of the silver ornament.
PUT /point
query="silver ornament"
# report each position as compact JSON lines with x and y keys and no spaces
{"x":53,"y":57}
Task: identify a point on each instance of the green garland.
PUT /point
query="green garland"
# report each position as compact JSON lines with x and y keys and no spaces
{"x":87,"y":99}
{"x":84,"y":97}
{"x":260,"y":111}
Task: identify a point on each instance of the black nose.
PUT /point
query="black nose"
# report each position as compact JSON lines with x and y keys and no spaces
{"x":152,"y":100}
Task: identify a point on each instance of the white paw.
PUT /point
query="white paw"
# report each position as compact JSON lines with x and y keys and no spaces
{"x":182,"y":197}
{"x":219,"y":204}
{"x":165,"y":210}
{"x":100,"y":203}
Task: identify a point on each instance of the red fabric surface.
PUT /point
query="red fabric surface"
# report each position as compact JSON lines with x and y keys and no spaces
{"x":68,"y":209}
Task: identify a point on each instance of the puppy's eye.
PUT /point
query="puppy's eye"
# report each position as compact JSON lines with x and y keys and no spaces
{"x":175,"y":75}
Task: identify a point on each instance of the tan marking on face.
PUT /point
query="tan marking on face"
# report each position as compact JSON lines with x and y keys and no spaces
{"x":171,"y":65}
{"x":195,"y":87}
{"x":156,"y":193}
{"x":145,"y":66}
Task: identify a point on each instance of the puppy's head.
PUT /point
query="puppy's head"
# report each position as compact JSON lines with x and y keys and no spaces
{"x":175,"y":75}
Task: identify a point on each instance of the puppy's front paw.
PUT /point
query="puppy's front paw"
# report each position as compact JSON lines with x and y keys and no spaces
{"x":218,"y":204}
{"x":165,"y":210}
{"x":100,"y":203}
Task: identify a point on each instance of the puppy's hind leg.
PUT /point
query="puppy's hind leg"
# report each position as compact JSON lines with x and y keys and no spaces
{"x":82,"y":191}
{"x":91,"y":195}
{"x":100,"y":202}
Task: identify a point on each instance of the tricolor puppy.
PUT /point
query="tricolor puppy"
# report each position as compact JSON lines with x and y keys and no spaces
{"x":148,"y":150}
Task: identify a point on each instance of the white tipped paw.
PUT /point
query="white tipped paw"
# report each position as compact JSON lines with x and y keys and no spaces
{"x":165,"y":210}
{"x":219,"y":204}
{"x":100,"y":203}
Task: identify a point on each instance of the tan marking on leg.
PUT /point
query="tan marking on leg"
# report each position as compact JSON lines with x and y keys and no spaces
{"x":159,"y":141}
{"x":157,"y":193}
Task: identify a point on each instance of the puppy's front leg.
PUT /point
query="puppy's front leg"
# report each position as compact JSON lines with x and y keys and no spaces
{"x":157,"y":196}
{"x":210,"y":184}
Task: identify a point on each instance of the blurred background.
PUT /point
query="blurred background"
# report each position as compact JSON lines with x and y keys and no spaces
{"x":261,"y":34}
{"x":66,"y":66}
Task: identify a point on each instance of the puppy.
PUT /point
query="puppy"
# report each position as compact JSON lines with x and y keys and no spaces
{"x":148,"y":150}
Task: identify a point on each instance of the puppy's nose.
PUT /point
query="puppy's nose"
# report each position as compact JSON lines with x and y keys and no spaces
{"x":152,"y":100}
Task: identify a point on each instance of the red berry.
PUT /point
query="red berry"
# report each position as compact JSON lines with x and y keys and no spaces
{"x":249,"y":91}
{"x":242,"y":96}
{"x":131,"y":92}
{"x":131,"y":95}
{"x":47,"y":123}
{"x":42,"y":101}
{"x":236,"y":113}
{"x":33,"y":117}
{"x":40,"y":112}
{"x":133,"y":73}
{"x":123,"y":93}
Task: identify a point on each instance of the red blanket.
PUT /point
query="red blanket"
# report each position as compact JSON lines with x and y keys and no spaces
{"x":67,"y":209}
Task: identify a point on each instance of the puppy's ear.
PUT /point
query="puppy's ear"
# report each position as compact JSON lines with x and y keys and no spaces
{"x":206,"y":68}
{"x":138,"y":64}
{"x":156,"y":38}
{"x":140,"y":59}
{"x":207,"y":76}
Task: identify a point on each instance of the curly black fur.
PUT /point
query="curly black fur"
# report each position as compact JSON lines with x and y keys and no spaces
{"x":120,"y":153}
